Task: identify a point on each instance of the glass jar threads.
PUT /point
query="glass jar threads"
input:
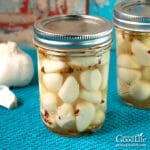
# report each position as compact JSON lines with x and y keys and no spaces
{"x":132,"y":21}
{"x":73,"y":62}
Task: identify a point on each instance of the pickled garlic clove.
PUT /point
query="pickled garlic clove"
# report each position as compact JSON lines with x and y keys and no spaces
{"x":124,"y":47}
{"x":146,"y":41}
{"x":120,"y":37}
{"x":99,"y":117}
{"x":69,"y":91}
{"x":105,"y":57}
{"x":49,"y":102}
{"x":146,"y":73}
{"x":140,"y":90}
{"x":65,"y":116}
{"x":85,"y":115}
{"x":104,"y":69}
{"x":52,"y":65}
{"x":141,"y":52}
{"x":53,"y":81}
{"x":128,"y":61}
{"x":91,"y":79}
{"x":128,"y":75}
{"x":123,"y":88}
{"x":84,"y":61}
{"x":91,"y":96}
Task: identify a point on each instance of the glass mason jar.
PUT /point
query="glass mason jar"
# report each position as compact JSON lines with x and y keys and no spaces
{"x":73,"y":62}
{"x":132,"y":21}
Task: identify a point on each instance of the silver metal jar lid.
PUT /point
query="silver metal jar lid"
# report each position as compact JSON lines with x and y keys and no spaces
{"x":73,"y":31}
{"x":133,"y":15}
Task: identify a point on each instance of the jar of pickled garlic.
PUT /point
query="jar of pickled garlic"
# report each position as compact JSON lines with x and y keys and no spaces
{"x":73,"y":62}
{"x":132,"y":21}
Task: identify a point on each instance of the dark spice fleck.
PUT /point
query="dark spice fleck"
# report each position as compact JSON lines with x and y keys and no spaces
{"x":43,"y":70}
{"x":102,"y":101}
{"x":148,"y":51}
{"x":72,"y":131}
{"x":123,"y":34}
{"x":99,"y":62}
{"x":76,"y":112}
{"x":46,"y":114}
{"x":50,"y":123}
{"x":59,"y":117}
{"x":70,"y":70}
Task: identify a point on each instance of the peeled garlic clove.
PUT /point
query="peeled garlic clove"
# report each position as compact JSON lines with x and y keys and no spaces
{"x":99,"y":117}
{"x":53,"y":81}
{"x":119,"y":37}
{"x":65,"y":116}
{"x":140,"y":90}
{"x":69,"y":91}
{"x":91,"y":96}
{"x":84,"y":61}
{"x":52,"y":65}
{"x":7,"y":98}
{"x":146,"y":41}
{"x":49,"y":102}
{"x":128,"y":75}
{"x":127,"y":61}
{"x":105,"y":57}
{"x":146,"y":73}
{"x":141,"y":52}
{"x":85,"y":115}
{"x":124,"y":47}
{"x":104,"y":69}
{"x":91,"y":79}
{"x":123,"y":88}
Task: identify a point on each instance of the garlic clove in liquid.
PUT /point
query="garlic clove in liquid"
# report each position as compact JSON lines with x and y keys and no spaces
{"x":85,"y":115}
{"x":91,"y":79}
{"x":141,"y":52}
{"x":65,"y":116}
{"x":69,"y":91}
{"x":127,"y":61}
{"x":91,"y":96}
{"x":53,"y":81}
{"x":128,"y":75}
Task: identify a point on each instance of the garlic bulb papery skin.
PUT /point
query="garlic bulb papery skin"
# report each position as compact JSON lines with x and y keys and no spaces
{"x":16,"y":66}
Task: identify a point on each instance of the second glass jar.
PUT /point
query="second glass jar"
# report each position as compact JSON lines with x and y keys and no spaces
{"x":132,"y":21}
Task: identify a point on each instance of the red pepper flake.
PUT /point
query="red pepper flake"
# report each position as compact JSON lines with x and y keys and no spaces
{"x":72,"y":131}
{"x":50,"y":123}
{"x":46,"y":114}
{"x":76,"y":112}
{"x":148,"y":51}
{"x":102,"y":101}
{"x":43,"y":70}
{"x":70,"y":70}
{"x":99,"y":62}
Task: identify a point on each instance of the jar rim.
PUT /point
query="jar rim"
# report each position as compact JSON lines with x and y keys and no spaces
{"x":133,"y":16}
{"x":73,"y":31}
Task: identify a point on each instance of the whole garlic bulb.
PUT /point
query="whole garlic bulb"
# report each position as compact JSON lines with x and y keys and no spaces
{"x":16,"y":67}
